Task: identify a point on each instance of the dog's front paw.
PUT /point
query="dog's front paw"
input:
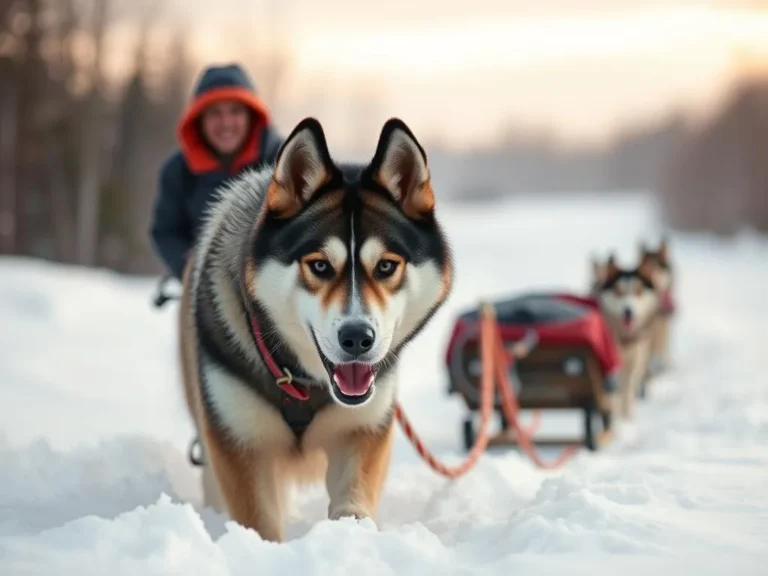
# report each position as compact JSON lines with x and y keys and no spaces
{"x":348,"y":511}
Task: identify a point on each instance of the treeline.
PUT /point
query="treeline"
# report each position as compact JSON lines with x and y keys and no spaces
{"x":528,"y":163}
{"x":708,"y":176}
{"x":78,"y":153}
{"x":80,"y":150}
{"x":717,"y":179}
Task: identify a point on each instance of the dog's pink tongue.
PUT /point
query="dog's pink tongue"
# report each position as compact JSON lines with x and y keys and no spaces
{"x":353,"y":379}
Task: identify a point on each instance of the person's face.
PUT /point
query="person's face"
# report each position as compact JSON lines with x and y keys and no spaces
{"x":225,"y":125}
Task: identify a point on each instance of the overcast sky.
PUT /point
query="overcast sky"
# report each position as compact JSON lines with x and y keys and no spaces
{"x":461,"y":71}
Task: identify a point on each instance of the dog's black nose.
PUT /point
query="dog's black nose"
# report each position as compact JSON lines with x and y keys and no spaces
{"x":627,"y":315}
{"x":356,"y":338}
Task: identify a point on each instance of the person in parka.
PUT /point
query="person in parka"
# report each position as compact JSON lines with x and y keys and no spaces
{"x":225,"y":129}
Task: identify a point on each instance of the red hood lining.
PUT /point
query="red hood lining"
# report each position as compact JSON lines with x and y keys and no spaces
{"x":199,"y":158}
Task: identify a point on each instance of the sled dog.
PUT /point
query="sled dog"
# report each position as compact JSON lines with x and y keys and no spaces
{"x":308,"y":280}
{"x":658,"y":261}
{"x":629,"y":302}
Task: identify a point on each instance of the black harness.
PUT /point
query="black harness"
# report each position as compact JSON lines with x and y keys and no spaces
{"x":297,"y":414}
{"x":298,"y":398}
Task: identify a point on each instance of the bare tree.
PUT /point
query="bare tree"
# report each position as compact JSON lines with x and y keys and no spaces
{"x":718,"y":181}
{"x":90,"y":167}
{"x":8,"y":128}
{"x":63,"y":195}
{"x":30,"y":82}
{"x":8,"y":114}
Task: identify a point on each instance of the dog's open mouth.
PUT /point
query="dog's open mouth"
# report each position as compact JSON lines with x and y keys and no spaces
{"x":352,"y":383}
{"x":627,"y":319}
{"x":353,"y":379}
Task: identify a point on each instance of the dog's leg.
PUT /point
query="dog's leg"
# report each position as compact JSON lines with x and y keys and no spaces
{"x":664,"y":342}
{"x":631,"y":393}
{"x":252,"y":485}
{"x":212,"y":496}
{"x":626,"y":398}
{"x":356,"y":472}
{"x":625,"y":387}
{"x":638,"y":370}
{"x":655,"y":339}
{"x":657,"y":360}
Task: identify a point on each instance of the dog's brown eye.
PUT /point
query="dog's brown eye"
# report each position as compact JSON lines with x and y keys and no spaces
{"x":321,"y":269}
{"x":385,"y":269}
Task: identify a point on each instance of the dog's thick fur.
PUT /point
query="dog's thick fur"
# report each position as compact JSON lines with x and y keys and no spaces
{"x":658,"y":262}
{"x":629,"y":304}
{"x":309,"y":249}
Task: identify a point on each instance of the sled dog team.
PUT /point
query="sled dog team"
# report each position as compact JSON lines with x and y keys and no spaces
{"x":637,"y":305}
{"x":303,"y":280}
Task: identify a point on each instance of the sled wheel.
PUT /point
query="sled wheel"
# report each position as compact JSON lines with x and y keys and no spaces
{"x":590,"y":441}
{"x":469,"y":434}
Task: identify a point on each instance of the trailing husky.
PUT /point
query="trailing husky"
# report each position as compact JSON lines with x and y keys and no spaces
{"x":308,"y":280}
{"x":658,"y":262}
{"x":629,"y":302}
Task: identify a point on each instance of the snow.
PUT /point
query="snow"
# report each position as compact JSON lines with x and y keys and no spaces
{"x":93,"y":431}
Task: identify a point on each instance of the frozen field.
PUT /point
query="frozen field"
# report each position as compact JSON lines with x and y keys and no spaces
{"x":93,"y":434}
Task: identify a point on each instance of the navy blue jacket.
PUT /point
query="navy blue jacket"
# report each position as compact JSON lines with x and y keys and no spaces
{"x":189,"y":178}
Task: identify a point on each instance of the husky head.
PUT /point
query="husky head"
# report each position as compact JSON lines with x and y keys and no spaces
{"x":658,"y":262}
{"x":628,"y":298}
{"x":348,"y":263}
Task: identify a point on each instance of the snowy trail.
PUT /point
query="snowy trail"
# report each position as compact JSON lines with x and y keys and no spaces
{"x":93,"y":430}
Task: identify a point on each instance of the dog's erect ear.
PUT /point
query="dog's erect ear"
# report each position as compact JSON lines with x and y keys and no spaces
{"x":646,"y":255}
{"x":611,"y":267}
{"x":400,"y":166}
{"x":598,"y":269}
{"x":645,"y":270}
{"x":303,"y":166}
{"x":664,"y":249}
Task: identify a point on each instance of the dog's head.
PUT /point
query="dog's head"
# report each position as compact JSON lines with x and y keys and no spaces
{"x":658,"y":262}
{"x":348,"y":263}
{"x":628,"y":298}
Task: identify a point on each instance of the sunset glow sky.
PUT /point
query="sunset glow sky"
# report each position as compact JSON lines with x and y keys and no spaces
{"x":463,"y":71}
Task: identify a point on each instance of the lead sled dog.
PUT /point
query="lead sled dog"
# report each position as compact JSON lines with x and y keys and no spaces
{"x":308,"y":279}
